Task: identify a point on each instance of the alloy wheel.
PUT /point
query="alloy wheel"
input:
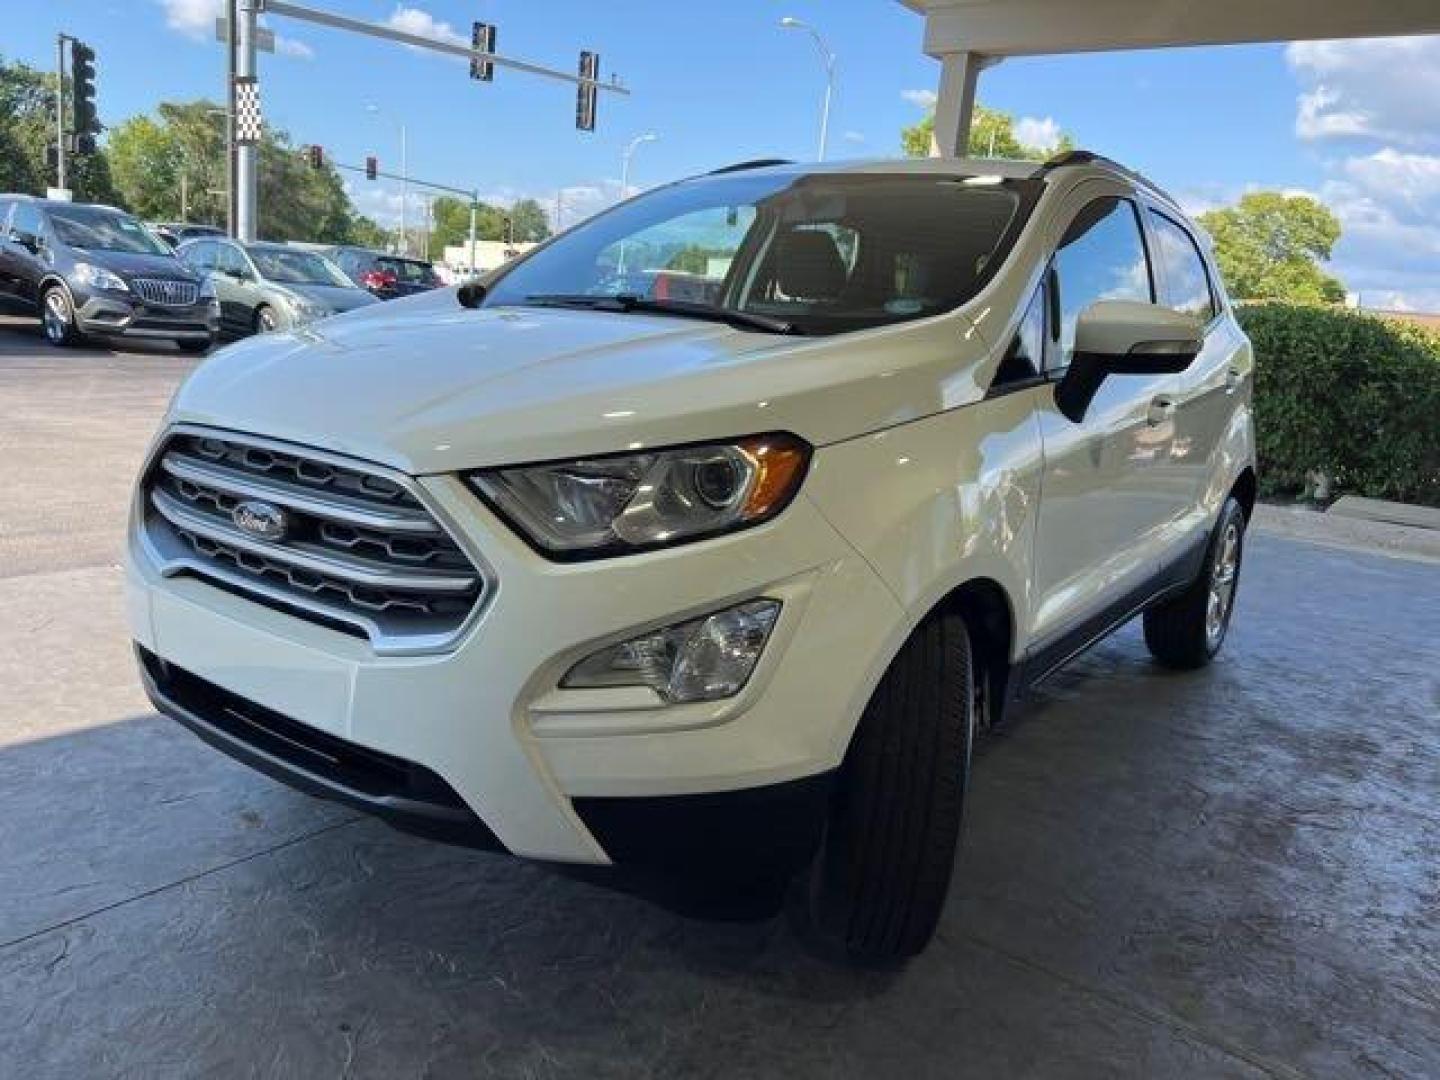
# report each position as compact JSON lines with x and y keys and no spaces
{"x":55,"y":318}
{"x":1222,"y":584}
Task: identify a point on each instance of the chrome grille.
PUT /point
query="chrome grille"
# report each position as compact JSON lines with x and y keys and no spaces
{"x":356,"y":550}
{"x":166,"y":291}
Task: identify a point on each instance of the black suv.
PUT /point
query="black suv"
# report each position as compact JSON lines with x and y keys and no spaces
{"x":97,"y":270}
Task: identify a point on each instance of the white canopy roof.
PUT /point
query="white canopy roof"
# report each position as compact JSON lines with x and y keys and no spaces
{"x":968,"y":35}
{"x":1000,"y":28}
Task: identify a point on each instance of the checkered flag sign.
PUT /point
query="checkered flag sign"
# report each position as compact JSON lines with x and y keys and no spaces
{"x":249,"y":124}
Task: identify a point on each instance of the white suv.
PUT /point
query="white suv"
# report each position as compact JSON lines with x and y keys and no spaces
{"x":704,"y":538}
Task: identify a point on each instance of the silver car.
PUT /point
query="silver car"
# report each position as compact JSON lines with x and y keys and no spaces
{"x":264,"y":287}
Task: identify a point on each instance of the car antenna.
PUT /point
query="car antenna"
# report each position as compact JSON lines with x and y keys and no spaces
{"x":471,"y":294}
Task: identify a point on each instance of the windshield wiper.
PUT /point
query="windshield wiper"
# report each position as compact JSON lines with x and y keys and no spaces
{"x":686,"y":309}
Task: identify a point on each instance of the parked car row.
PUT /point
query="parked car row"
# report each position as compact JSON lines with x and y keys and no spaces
{"x":95,"y":270}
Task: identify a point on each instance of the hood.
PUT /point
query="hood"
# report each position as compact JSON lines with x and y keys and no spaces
{"x":334,"y":297}
{"x":128,"y":263}
{"x":427,"y":386}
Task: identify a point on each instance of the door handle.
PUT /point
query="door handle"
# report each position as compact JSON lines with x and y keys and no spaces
{"x":1161,"y":409}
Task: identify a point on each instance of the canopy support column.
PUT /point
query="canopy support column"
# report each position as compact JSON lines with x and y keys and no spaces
{"x":955,"y":102}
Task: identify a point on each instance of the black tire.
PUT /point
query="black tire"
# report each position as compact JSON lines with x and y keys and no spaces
{"x":1188,"y":631}
{"x":265,"y":320}
{"x":193,"y":346}
{"x":57,"y":317}
{"x":874,"y":892}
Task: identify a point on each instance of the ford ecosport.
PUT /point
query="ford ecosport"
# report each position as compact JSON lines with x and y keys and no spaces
{"x":705,"y":538}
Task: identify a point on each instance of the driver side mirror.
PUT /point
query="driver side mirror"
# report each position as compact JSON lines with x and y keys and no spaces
{"x":1124,"y":337}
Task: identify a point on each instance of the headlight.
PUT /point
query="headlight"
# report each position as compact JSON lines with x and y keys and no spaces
{"x":629,"y":502}
{"x":701,"y":660}
{"x":207,"y":288}
{"x":97,"y":277}
{"x":306,"y":311}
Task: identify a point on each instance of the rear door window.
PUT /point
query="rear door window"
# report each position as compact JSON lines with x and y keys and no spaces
{"x":1184,"y":281}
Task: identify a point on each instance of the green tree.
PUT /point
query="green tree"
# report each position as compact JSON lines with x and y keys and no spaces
{"x":27,"y":129}
{"x":992,"y":134}
{"x":1270,"y":247}
{"x":529,"y":221}
{"x":450,"y":223}
{"x":172,"y":167}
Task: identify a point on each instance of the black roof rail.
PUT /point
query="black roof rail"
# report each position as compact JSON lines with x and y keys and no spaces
{"x":757,"y":163}
{"x":1089,"y":157}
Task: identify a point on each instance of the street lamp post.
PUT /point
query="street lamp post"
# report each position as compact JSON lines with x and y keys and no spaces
{"x":625,"y":157}
{"x":374,"y":110}
{"x":829,"y":57}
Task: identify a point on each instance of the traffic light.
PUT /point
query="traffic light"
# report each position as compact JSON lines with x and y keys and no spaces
{"x":371,"y":167}
{"x":82,"y":75}
{"x":315,"y":155}
{"x":482,"y":39}
{"x":586,"y":94}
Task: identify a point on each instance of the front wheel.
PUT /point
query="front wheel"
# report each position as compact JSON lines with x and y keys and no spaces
{"x":57,"y":317}
{"x":875,"y":891}
{"x":1187,"y":632}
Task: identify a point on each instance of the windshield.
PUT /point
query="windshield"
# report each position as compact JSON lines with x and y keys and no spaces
{"x":297,"y":267}
{"x":825,"y":253}
{"x":94,"y":229}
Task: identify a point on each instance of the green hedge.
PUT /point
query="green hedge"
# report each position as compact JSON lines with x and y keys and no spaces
{"x":1349,"y":395}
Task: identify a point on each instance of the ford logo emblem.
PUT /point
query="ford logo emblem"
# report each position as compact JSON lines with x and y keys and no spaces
{"x":263,"y":520}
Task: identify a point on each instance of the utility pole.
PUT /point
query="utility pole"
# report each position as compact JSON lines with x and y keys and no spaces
{"x":474,"y":209}
{"x":60,"y":40}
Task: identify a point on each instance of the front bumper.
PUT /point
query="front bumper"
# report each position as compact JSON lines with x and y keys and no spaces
{"x":568,"y":775}
{"x":111,"y":314}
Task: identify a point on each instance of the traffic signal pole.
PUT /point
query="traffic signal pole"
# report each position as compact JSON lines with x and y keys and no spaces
{"x":60,"y":40}
{"x":247,"y":151}
{"x":242,"y":33}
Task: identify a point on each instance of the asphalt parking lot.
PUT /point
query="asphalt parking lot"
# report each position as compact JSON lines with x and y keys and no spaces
{"x":1227,"y":873}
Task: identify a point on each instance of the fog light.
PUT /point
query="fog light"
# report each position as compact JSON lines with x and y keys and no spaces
{"x":701,"y":660}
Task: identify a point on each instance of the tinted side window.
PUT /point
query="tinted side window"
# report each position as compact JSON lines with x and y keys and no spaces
{"x":1185,"y":284}
{"x":199,"y":255}
{"x":26,"y":223}
{"x":229,"y":259}
{"x":1101,"y":257}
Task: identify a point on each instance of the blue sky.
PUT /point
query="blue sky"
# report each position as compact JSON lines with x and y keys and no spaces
{"x":720,"y":82}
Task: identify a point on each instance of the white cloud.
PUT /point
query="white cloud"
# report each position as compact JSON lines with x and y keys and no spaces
{"x":1383,"y":88}
{"x":1376,"y":98}
{"x":921,"y":99}
{"x":421,"y":23}
{"x":853,"y":136}
{"x":296,"y":50}
{"x":1044,"y":134}
{"x":195,"y":19}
